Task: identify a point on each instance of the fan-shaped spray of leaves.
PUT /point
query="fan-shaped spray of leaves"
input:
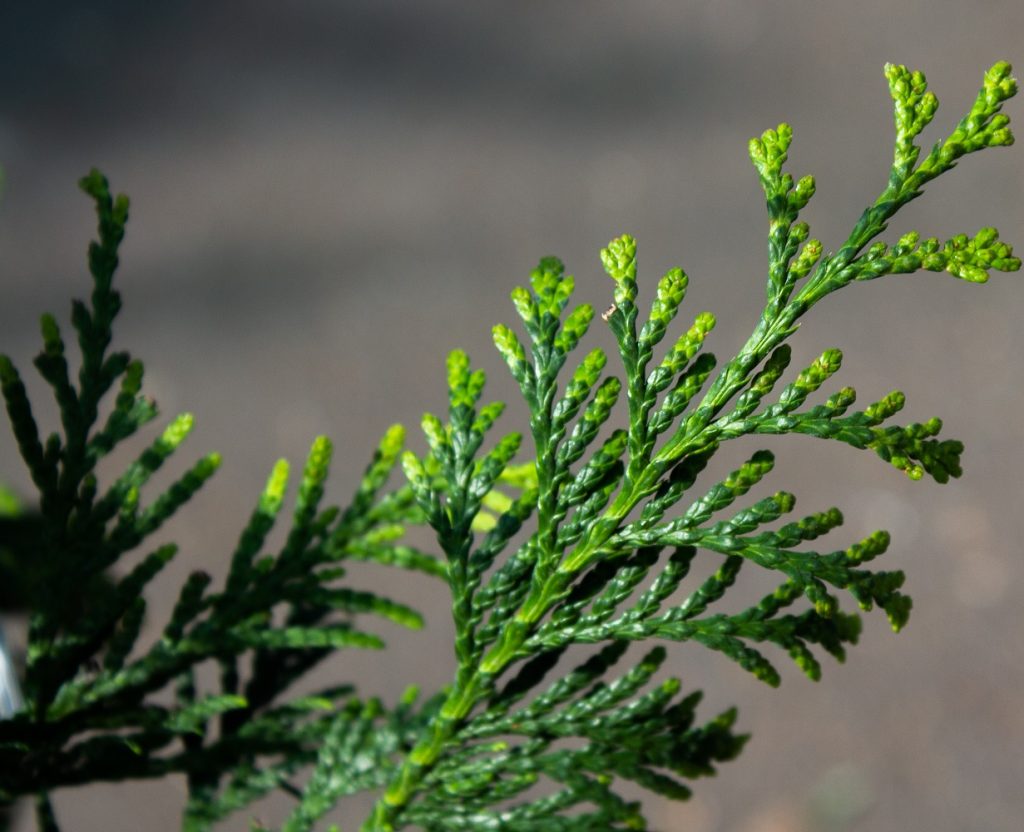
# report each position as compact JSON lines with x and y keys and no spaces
{"x":616,"y":506}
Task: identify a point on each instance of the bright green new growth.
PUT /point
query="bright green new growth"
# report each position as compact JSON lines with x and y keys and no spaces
{"x":590,"y":541}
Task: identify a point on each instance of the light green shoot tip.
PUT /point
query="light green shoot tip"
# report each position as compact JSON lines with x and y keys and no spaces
{"x":174,"y":434}
{"x":277,"y":486}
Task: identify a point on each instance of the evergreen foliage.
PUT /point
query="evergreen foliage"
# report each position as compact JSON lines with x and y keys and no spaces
{"x":590,"y":542}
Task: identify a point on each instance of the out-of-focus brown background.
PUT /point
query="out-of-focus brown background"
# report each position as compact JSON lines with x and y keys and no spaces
{"x":329,"y":196}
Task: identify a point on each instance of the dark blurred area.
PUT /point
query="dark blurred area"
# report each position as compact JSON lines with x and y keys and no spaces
{"x":327,"y":197}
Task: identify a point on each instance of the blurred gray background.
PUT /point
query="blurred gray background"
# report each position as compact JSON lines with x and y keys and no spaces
{"x":326,"y":197}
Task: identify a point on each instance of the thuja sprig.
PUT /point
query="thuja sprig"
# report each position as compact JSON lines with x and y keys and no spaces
{"x":99,"y":703}
{"x":612,"y":507}
{"x":591,"y":542}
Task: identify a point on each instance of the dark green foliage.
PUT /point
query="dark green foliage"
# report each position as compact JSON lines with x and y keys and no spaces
{"x":95,"y":702}
{"x":591,"y":541}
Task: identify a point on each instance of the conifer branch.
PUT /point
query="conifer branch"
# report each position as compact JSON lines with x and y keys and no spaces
{"x":590,"y":540}
{"x":606,"y":505}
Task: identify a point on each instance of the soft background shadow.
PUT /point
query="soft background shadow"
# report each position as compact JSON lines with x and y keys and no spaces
{"x":329,"y":196}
